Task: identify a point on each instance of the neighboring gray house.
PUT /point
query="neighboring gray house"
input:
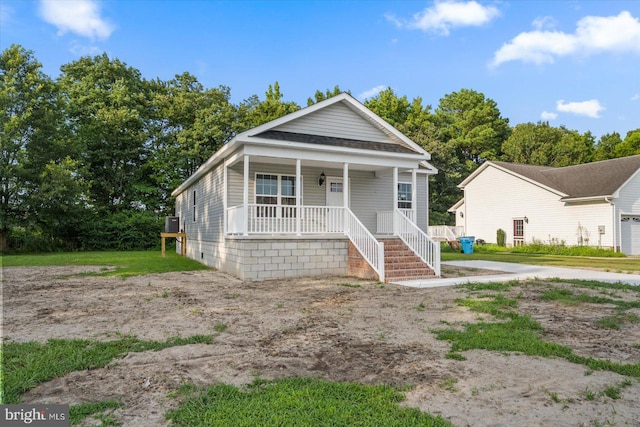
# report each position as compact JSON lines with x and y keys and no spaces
{"x":322,"y":191}
{"x":595,"y":204}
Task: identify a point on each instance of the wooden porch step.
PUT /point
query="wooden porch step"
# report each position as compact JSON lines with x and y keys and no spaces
{"x":401,"y":263}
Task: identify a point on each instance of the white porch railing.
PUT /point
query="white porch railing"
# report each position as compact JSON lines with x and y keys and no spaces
{"x":283,"y":219}
{"x":368,"y":246}
{"x":427,"y":249}
{"x":445,"y":232}
{"x":385,"y":220}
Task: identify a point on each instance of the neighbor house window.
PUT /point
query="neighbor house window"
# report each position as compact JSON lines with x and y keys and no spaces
{"x":275,"y":190}
{"x":404,"y":195}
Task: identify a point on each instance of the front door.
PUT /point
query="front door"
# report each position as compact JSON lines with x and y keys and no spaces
{"x":518,"y":232}
{"x":335,"y":197}
{"x":335,"y":192}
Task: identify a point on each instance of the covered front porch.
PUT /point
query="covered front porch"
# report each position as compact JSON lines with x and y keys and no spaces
{"x":304,"y":197}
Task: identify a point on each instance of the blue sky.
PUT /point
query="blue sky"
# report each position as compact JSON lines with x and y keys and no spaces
{"x":573,"y":63}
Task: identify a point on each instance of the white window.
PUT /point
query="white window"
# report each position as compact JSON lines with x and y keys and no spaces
{"x":194,"y":205}
{"x":275,"y":190}
{"x":404,"y":195}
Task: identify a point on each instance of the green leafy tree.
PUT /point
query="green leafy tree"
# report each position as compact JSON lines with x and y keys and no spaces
{"x":473,"y":125}
{"x":606,"y":147}
{"x":469,"y":129}
{"x":321,"y":96}
{"x":254,"y":112}
{"x":545,"y":145}
{"x":191,"y":123}
{"x":109,"y":111}
{"x":31,"y":133}
{"x":631,"y":144}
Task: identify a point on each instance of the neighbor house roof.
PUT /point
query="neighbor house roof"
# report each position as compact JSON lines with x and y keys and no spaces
{"x":588,"y":180}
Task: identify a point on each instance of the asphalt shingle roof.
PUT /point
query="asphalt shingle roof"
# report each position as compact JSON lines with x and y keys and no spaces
{"x":335,"y":141}
{"x":586,"y":180}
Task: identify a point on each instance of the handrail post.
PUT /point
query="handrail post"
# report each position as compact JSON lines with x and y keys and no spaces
{"x":381,"y":273}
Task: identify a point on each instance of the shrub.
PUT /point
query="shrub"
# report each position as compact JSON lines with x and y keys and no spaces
{"x":501,"y":237}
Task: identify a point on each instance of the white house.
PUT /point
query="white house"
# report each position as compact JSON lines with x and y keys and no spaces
{"x":331,"y":189}
{"x":595,"y":204}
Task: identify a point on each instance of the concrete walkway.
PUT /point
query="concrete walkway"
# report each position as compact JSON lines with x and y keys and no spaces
{"x":520,"y":272}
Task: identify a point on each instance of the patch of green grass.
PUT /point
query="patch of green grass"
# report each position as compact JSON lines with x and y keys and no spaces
{"x":297,"y":402}
{"x":520,"y":333}
{"x":126,"y":264}
{"x":616,"y":321}
{"x":220,"y":327}
{"x":567,"y":296}
{"x":493,"y":286}
{"x":78,"y":413}
{"x":25,"y":365}
{"x":613,"y":264}
{"x":349,"y":285}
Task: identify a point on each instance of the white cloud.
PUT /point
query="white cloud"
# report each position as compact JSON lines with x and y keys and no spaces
{"x":591,"y":108}
{"x":81,"y":17}
{"x":594,"y":34}
{"x":444,"y":15}
{"x":370,"y":93}
{"x":83,"y":50}
{"x":542,"y":22}
{"x":635,"y":97}
{"x":547,"y":115}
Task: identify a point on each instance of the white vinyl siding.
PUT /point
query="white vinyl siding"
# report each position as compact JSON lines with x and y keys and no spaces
{"x":628,"y":205}
{"x":208,"y":208}
{"x":338,"y":121}
{"x":495,"y":198}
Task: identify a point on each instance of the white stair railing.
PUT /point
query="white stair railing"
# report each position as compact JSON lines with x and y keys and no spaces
{"x":416,"y":239}
{"x":369,"y":247}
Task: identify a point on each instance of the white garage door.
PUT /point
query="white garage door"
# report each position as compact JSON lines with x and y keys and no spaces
{"x":631,"y":234}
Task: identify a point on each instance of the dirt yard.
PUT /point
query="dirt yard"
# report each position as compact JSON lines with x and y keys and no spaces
{"x":340,"y":329}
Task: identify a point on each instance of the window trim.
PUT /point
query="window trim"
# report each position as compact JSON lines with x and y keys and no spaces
{"x":195,"y":207}
{"x":279,"y":196}
{"x":410,"y":201}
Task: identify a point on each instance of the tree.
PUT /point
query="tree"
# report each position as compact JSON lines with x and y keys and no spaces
{"x":321,"y":96}
{"x":541,"y":144}
{"x":191,"y":123}
{"x":631,"y":144}
{"x":254,"y":112}
{"x":467,"y":130}
{"x":606,"y":147}
{"x":31,"y":133}
{"x":108,"y":111}
{"x":473,"y":125}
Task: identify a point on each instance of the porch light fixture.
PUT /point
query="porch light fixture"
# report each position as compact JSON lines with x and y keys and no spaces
{"x":321,"y":179}
{"x":526,"y":220}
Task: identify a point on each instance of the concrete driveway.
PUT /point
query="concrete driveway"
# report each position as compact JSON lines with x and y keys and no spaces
{"x":521,"y":272}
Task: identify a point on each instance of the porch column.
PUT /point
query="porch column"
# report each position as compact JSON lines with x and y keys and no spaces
{"x":298,"y":193}
{"x":395,"y":201}
{"x":245,"y":196}
{"x":414,"y":193}
{"x":225,"y":219}
{"x":345,"y":193}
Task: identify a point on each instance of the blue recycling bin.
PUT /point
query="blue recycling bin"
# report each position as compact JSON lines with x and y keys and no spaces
{"x":467,"y":244}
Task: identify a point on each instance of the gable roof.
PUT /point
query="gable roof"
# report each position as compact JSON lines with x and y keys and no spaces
{"x":588,"y":180}
{"x":383,"y":138}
